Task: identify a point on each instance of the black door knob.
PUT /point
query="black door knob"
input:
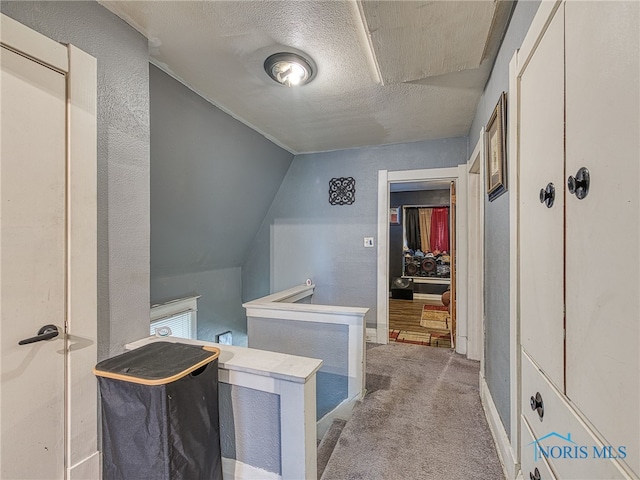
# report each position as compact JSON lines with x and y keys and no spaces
{"x":45,"y":333}
{"x":579,"y":185}
{"x":535,"y":475}
{"x":548,"y":195}
{"x":537,"y":404}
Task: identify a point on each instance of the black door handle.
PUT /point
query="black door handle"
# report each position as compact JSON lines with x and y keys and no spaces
{"x":45,"y":333}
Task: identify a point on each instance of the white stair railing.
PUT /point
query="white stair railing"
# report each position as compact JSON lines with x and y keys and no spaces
{"x":250,"y":428}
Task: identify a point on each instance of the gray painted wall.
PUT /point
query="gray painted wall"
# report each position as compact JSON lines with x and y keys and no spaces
{"x":123,"y":158}
{"x":212,"y":181}
{"x":250,"y":427}
{"x":219,"y":308}
{"x":496,"y":240}
{"x":303,"y":236}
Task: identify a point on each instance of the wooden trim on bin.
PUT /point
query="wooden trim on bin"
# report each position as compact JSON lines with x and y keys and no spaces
{"x":215,"y":353}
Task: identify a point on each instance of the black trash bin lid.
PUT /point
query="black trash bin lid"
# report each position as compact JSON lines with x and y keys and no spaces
{"x":157,"y":363}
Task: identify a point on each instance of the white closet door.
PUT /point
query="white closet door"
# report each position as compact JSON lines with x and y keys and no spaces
{"x":541,"y":229}
{"x":32,"y":268}
{"x":603,"y":241}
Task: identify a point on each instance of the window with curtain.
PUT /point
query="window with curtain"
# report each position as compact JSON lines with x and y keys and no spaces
{"x":426,"y":247}
{"x":439,"y":229}
{"x":412,"y":228}
{"x":427,"y":228}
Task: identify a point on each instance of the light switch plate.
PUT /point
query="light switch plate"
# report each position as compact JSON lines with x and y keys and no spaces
{"x":368,"y":241}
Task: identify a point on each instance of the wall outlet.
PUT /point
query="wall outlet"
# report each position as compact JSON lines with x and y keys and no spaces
{"x":368,"y":241}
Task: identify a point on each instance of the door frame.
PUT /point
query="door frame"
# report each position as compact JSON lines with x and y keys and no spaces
{"x":475,"y":258}
{"x":385,"y":178}
{"x":80,"y":338}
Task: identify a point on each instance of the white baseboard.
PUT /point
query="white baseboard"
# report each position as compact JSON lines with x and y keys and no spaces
{"x":87,"y":469}
{"x":371,"y":335}
{"x":342,"y":412}
{"x":461,"y":345}
{"x":500,"y":438}
{"x":236,"y":470}
{"x":429,"y":298}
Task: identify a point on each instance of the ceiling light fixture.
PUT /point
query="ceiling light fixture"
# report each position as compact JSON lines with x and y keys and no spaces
{"x":289,"y":69}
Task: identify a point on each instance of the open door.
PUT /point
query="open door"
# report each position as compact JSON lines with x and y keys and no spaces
{"x":452,"y":230}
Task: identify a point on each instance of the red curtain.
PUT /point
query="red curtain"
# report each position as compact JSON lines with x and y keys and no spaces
{"x":440,"y":229}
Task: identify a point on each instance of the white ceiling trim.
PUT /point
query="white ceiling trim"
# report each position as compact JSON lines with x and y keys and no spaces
{"x":371,"y":55}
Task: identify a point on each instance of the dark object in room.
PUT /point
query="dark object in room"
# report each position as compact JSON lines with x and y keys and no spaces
{"x":429,"y":266}
{"x":411,"y":268}
{"x":160,"y":413}
{"x":402,"y":288}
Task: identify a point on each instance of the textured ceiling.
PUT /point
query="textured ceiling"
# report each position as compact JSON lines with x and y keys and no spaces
{"x":445,"y":37}
{"x":388,"y":72}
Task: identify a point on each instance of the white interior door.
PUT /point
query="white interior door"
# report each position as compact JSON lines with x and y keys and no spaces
{"x":474,"y":259}
{"x":603,"y":229}
{"x":541,"y":228}
{"x":32,"y":268}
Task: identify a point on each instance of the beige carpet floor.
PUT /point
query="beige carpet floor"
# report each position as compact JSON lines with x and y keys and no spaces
{"x":421,"y":419}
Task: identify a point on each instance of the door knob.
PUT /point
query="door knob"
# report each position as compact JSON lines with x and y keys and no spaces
{"x":45,"y":333}
{"x":535,"y":475}
{"x":537,"y":404}
{"x":548,"y":195}
{"x":579,"y":185}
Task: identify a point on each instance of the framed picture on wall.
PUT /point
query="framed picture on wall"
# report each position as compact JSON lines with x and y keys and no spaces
{"x":496,"y":147}
{"x":394,"y":216}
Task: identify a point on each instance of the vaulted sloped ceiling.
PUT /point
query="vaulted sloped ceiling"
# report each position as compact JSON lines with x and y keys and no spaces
{"x":388,"y":72}
{"x":444,"y":38}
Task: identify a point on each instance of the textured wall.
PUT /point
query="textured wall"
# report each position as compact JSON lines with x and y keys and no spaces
{"x":247,"y":433}
{"x":219,"y":307}
{"x":123,"y":158}
{"x":212,"y":181}
{"x":303,"y":236}
{"x":496,"y":241}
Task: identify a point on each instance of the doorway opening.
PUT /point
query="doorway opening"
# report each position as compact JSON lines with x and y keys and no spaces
{"x":466,"y":283}
{"x":420,"y":261}
{"x":406,"y":180}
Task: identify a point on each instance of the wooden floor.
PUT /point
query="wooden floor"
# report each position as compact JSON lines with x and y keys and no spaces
{"x":404,"y":316}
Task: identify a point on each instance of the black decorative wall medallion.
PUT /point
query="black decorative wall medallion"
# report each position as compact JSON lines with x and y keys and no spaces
{"x":342,"y":191}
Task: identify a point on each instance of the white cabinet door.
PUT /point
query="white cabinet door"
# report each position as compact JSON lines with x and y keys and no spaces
{"x":603,"y":241}
{"x":541,"y":150}
{"x":32,"y":269}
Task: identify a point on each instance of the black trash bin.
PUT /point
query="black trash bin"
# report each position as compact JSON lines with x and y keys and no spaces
{"x":160,"y":413}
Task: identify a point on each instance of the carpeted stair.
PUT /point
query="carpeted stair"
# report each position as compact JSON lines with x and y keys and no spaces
{"x":328,"y":443}
{"x":421,"y":419}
